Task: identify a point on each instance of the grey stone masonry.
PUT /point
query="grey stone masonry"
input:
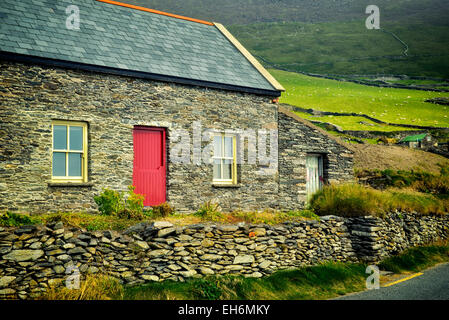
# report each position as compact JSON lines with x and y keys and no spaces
{"x":35,"y":257}
{"x":375,"y":238}
{"x":32,"y":96}
{"x":297,"y":139}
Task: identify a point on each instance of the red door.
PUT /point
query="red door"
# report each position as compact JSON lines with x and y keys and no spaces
{"x":149,"y":164}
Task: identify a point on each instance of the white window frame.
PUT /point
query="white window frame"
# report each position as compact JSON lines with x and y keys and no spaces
{"x":233,"y":179}
{"x":67,"y":178}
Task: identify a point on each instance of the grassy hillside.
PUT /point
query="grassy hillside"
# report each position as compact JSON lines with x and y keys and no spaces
{"x":251,"y":11}
{"x":399,"y":106}
{"x":330,"y":37}
{"x":379,"y":157}
{"x":350,"y":48}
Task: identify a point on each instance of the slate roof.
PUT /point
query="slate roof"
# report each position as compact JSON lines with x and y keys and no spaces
{"x":120,"y":38}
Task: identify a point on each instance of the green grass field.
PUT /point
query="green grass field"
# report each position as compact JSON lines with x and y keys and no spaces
{"x":348,"y":48}
{"x":329,"y":36}
{"x":399,"y":106}
{"x":352,"y":123}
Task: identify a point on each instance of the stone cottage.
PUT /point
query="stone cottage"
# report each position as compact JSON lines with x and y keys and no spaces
{"x":100,"y":94}
{"x":418,"y":141}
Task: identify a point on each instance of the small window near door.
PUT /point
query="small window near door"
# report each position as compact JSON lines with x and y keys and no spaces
{"x":224,"y":162}
{"x":69,"y":151}
{"x":314,"y":174}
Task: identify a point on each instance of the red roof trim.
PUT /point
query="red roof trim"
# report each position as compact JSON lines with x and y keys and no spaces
{"x":156,"y":11}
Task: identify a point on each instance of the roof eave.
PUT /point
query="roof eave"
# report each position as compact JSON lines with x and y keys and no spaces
{"x":9,"y":56}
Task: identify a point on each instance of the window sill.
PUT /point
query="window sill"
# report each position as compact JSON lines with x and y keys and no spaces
{"x":223,"y":185}
{"x":70,"y":184}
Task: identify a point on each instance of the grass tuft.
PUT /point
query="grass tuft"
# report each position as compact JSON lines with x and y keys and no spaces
{"x":94,"y":287}
{"x":9,"y":219}
{"x":417,"y":259}
{"x":317,"y":282}
{"x":418,"y":180}
{"x":90,"y":222}
{"x":352,"y":200}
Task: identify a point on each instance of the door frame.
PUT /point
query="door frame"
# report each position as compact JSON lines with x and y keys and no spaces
{"x":320,"y":157}
{"x":164,"y":150}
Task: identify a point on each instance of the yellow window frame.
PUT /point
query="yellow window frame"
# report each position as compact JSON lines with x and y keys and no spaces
{"x":68,"y":124}
{"x":233,"y":179}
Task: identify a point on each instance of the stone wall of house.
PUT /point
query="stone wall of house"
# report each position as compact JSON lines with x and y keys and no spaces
{"x":297,"y":139}
{"x":32,"y":96}
{"x":32,"y":258}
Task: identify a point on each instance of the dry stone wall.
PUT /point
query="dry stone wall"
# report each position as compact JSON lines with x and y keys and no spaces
{"x":32,"y":258}
{"x":375,"y":238}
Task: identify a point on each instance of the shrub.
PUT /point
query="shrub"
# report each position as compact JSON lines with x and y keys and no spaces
{"x":435,"y":185}
{"x":111,"y":202}
{"x":352,"y":200}
{"x":402,"y":178}
{"x":418,"y":180}
{"x":409,"y":200}
{"x":9,"y":219}
{"x":347,"y":200}
{"x":162,"y":210}
{"x":209,"y":211}
{"x":148,"y":212}
{"x":133,"y":205}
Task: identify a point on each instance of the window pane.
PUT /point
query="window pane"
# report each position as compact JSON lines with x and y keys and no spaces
{"x":58,"y":164}
{"x":228,"y":146}
{"x":75,"y":164}
{"x":227,"y":169}
{"x":217,"y":169}
{"x":217,"y":146}
{"x":60,"y":137}
{"x":76,"y":138}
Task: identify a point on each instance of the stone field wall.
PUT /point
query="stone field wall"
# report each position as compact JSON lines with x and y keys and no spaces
{"x":32,"y":258}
